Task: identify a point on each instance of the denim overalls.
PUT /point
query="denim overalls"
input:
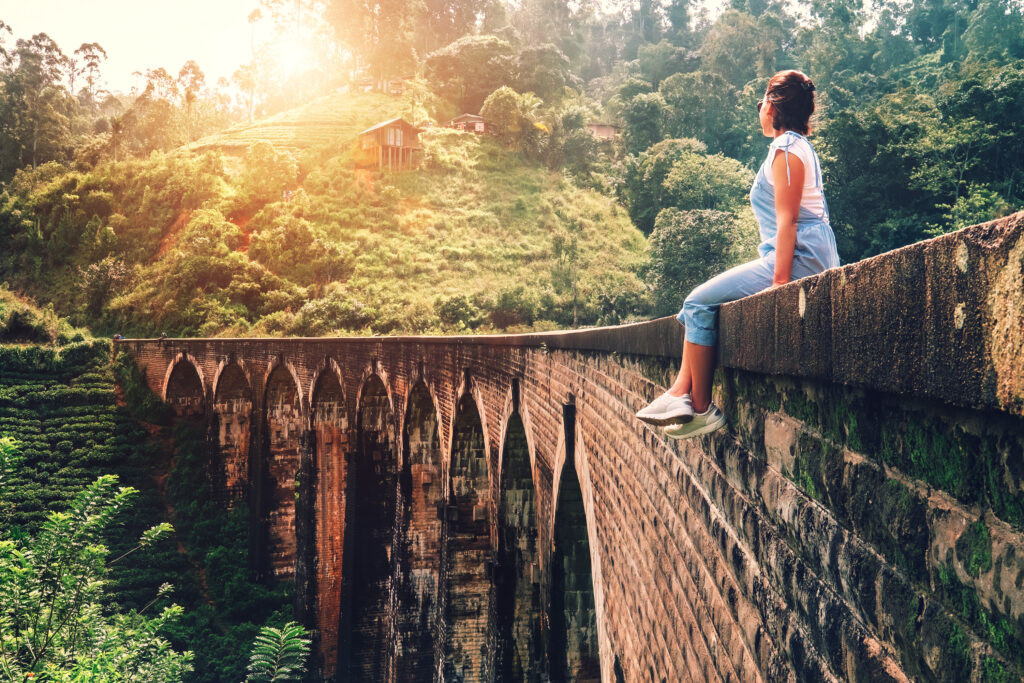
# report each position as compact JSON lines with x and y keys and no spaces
{"x":815,"y":251}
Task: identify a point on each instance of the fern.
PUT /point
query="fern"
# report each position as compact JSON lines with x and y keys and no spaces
{"x":279,"y":655}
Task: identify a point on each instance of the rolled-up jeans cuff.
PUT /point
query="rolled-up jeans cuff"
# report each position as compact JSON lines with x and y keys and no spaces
{"x":702,"y":337}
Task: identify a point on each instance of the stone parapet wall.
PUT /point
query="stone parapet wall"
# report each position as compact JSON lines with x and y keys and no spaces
{"x":861,"y":518}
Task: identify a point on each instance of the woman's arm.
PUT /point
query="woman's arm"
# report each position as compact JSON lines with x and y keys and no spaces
{"x":789,"y":190}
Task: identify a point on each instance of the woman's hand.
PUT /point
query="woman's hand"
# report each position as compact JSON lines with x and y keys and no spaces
{"x":789,"y":190}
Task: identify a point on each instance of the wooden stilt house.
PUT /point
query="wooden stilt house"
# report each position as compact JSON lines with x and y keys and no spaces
{"x":471,"y":122}
{"x":393,"y":145}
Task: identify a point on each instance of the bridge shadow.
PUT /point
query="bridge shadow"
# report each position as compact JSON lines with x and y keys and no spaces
{"x":517,"y":573}
{"x":468,"y":620}
{"x":370,"y":530}
{"x":420,"y":561}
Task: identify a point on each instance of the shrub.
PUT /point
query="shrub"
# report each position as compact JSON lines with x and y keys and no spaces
{"x":687,"y":248}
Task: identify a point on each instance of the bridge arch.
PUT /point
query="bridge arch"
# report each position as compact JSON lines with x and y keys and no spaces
{"x":232,"y":425}
{"x":517,"y":569}
{"x":279,"y":467}
{"x":468,"y":553}
{"x":184,"y":387}
{"x":371,"y":532}
{"x":574,"y":651}
{"x":423,"y":502}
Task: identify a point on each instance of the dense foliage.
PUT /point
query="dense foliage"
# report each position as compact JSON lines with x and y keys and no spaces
{"x":272,"y":227}
{"x":52,"y":588}
{"x":61,"y":405}
{"x":279,"y":243}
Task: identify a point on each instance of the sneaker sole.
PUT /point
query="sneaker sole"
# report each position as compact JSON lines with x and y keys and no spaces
{"x":665,"y":421}
{"x":706,"y":429}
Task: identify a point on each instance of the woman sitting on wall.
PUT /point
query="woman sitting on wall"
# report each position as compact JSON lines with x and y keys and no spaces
{"x":796,"y":241}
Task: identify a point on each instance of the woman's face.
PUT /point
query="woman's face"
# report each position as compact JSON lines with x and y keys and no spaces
{"x":765,"y":113}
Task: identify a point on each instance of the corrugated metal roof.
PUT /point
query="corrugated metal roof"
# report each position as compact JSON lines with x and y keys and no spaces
{"x":382,"y":124}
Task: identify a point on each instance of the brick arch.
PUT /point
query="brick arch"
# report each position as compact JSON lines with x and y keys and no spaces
{"x":232,"y":425}
{"x":225,"y":364}
{"x":280,"y":363}
{"x":371,"y":537}
{"x":184,"y":390}
{"x":468,"y":592}
{"x":326,"y":366}
{"x":574,"y":643}
{"x":515,"y":405}
{"x":420,"y":556}
{"x":519,"y":620}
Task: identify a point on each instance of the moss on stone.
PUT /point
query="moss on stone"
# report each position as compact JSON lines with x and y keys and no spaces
{"x":798,"y":406}
{"x":958,"y":654}
{"x":1004,"y":634}
{"x":974,"y":549}
{"x":992,"y":671}
{"x":808,"y":468}
{"x":903,"y":529}
{"x":660,"y":371}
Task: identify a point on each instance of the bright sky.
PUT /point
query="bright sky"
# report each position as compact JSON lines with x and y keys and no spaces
{"x":146,"y":34}
{"x":141,"y":34}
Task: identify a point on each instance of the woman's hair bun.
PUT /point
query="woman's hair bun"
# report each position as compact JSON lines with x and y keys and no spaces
{"x":791,"y":94}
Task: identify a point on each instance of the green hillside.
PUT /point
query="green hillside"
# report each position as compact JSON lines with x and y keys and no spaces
{"x":77,"y":414}
{"x":330,"y":120}
{"x":271,"y":229}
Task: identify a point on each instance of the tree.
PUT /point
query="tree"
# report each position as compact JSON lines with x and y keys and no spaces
{"x":544,"y":70}
{"x":279,"y":655}
{"x":703,"y":105}
{"x":440,"y":22}
{"x":513,"y":117}
{"x":190,"y":81}
{"x":53,"y":620}
{"x":661,"y":60}
{"x":645,"y":116}
{"x":468,"y":70}
{"x":91,"y":56}
{"x":678,"y":173}
{"x":995,"y":31}
{"x":38,"y":101}
{"x":728,"y":49}
{"x":245,"y":78}
{"x":381,"y":33}
{"x":687,"y":248}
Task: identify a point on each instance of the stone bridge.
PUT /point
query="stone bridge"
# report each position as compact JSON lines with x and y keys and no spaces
{"x":487,"y":508}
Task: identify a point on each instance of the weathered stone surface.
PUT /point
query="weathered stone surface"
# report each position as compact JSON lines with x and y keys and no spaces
{"x":862,"y":518}
{"x":941,"y":319}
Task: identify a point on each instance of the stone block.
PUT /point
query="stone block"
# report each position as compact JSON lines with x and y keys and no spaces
{"x":878,"y":306}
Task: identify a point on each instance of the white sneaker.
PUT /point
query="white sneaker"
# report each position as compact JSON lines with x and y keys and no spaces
{"x":702,"y":423}
{"x":667,"y":409}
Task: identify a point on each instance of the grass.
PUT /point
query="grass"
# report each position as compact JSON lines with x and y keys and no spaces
{"x":332,"y":119}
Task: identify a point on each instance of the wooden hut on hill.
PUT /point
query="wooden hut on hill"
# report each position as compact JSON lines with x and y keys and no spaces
{"x":603,"y":131}
{"x":392,"y":144}
{"x":471,"y":122}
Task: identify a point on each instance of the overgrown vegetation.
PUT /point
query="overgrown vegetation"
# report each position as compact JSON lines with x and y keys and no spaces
{"x":61,"y":405}
{"x":269,"y":244}
{"x":52,"y":593}
{"x":270,"y":227}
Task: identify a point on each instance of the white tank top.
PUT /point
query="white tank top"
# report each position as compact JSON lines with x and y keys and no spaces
{"x":813,"y":197}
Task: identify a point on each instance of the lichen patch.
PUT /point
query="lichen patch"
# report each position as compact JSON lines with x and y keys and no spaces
{"x":961,"y":257}
{"x":1006,"y":337}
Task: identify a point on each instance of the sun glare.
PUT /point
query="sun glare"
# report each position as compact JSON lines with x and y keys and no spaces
{"x":293,"y":57}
